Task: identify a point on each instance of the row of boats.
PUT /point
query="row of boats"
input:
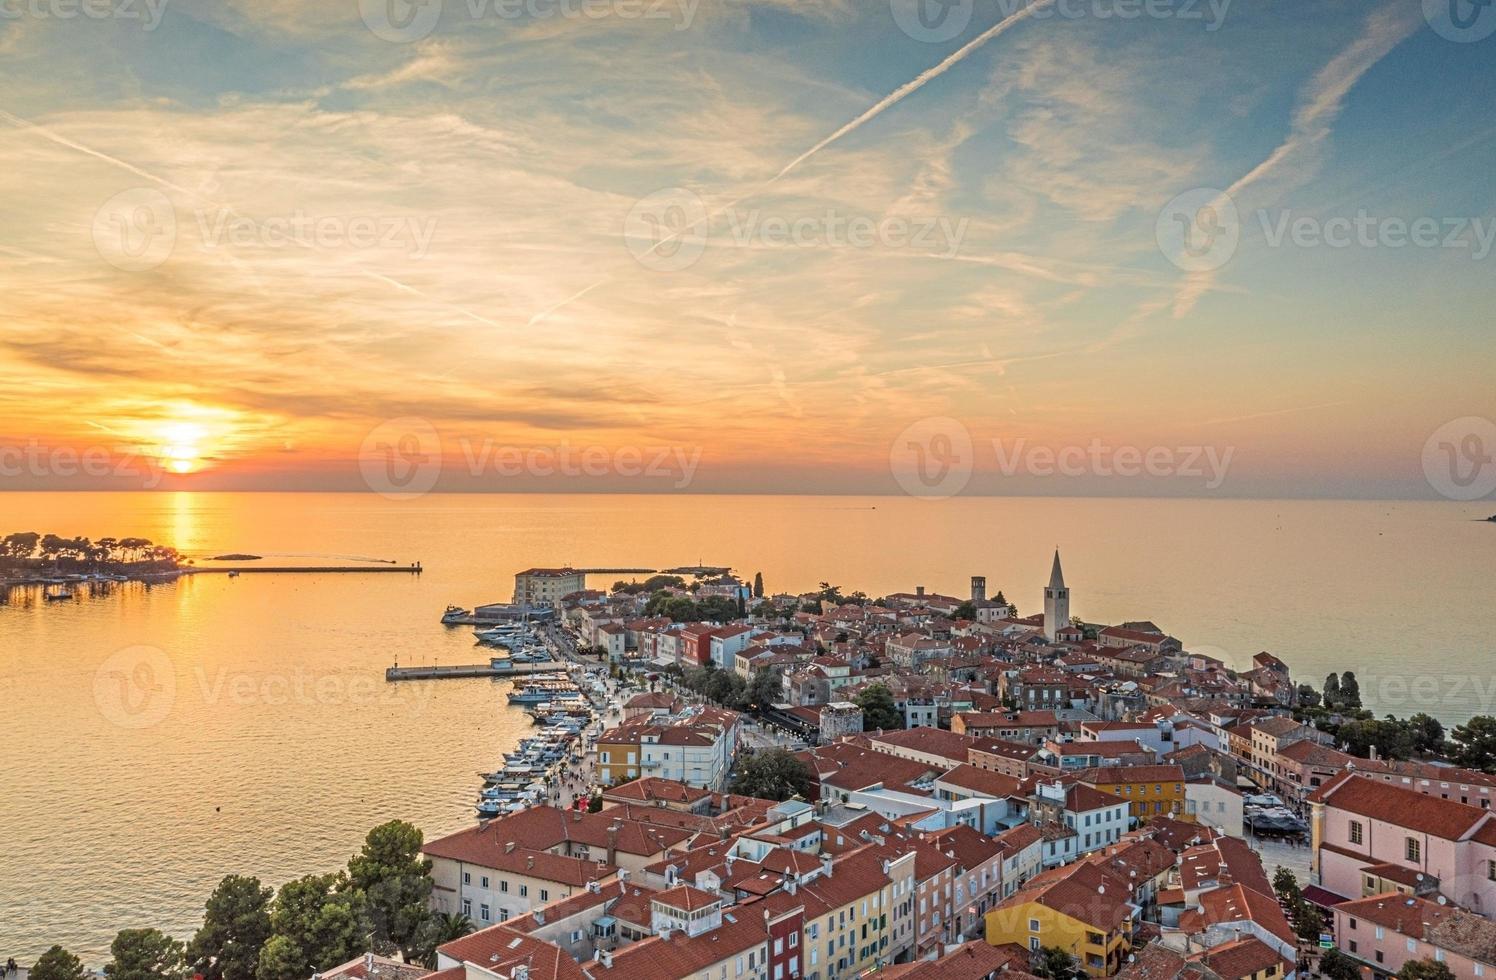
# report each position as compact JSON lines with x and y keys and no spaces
{"x":524,"y":644}
{"x":563,"y":713}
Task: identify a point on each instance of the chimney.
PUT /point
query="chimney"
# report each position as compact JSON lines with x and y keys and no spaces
{"x":607,"y":959}
{"x":521,"y":972}
{"x":509,"y":847}
{"x":826,"y":865}
{"x":369,"y":963}
{"x":539,"y":916}
{"x":613,"y":829}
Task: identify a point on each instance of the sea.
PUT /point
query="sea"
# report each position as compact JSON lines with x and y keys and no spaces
{"x":157,"y":738}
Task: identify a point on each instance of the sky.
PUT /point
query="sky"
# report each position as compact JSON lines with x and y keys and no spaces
{"x":937,"y":247}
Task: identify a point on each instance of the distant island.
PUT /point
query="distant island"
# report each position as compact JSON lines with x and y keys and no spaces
{"x":235,"y":558}
{"x":32,"y":558}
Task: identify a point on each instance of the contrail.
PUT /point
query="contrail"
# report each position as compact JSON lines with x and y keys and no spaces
{"x":893,"y":98}
{"x":145,"y":175}
{"x":920,"y":81}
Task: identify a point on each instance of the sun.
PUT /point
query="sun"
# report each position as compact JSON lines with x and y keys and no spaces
{"x":181,"y":449}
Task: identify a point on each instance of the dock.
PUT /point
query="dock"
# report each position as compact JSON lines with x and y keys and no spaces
{"x":413,"y":569}
{"x":470,"y":670}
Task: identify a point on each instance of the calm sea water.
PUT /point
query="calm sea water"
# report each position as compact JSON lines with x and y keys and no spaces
{"x":158,"y":738}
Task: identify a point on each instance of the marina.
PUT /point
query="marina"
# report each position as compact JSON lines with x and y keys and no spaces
{"x":496,"y":668}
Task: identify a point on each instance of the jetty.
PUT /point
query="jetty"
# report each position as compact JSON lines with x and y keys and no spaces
{"x":435,"y":672}
{"x":411,"y":569}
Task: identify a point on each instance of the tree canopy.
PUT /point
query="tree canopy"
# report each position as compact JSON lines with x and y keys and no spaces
{"x":773,"y":774}
{"x":236,"y":924}
{"x":58,"y":964}
{"x":878,"y":708}
{"x":145,"y":954}
{"x":395,"y":882}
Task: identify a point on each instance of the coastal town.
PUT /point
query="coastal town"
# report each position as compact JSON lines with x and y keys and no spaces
{"x":726,"y":783}
{"x":983,"y":794}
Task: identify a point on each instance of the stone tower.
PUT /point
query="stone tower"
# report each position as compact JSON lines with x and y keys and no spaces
{"x":1056,"y":600}
{"x":979,"y":589}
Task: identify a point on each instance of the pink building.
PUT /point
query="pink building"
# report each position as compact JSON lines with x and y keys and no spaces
{"x":1367,"y":833}
{"x":1386,"y":931}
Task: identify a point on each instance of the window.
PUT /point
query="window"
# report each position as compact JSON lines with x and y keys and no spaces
{"x":1379,"y":956}
{"x":1491,"y":870}
{"x":1381,"y":933}
{"x":467,"y":907}
{"x":485,"y":881}
{"x":576,"y":935}
{"x":1034,"y":943}
{"x":467,"y":878}
{"x":1033,"y":925}
{"x":1352,"y":945}
{"x":483,"y":912}
{"x":545,"y":895}
{"x":524,"y":890}
{"x":794,"y":940}
{"x":1411,"y":849}
{"x":1412,"y":945}
{"x":504,"y":885}
{"x":1355,"y":832}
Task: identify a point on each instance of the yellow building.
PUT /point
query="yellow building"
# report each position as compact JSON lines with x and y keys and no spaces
{"x":1151,"y":791}
{"x":617,"y":755}
{"x":1079,"y":909}
{"x":851,"y":913}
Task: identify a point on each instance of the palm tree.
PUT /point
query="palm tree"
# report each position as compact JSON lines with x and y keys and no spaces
{"x":448,"y":927}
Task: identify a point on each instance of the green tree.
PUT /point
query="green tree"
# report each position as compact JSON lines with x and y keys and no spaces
{"x":1332,"y":691}
{"x":1428,"y":734}
{"x":1308,"y":696}
{"x":878,"y":708}
{"x":145,"y":954}
{"x":758,"y":585}
{"x":57,"y":963}
{"x":1338,"y":966}
{"x":316,"y":922}
{"x":1475,"y":743}
{"x":1350,"y":691}
{"x":236,"y":924}
{"x":396,"y":884}
{"x":967,"y":610}
{"x":1055,"y":963}
{"x":763,"y":690}
{"x":595,"y":804}
{"x":773,"y":774}
{"x":439,"y":930}
{"x":1425,"y":970}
